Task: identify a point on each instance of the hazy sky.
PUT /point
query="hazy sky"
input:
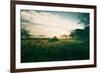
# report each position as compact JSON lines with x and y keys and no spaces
{"x":49,"y":23}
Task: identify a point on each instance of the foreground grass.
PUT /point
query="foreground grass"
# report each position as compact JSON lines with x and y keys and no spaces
{"x":42,"y":50}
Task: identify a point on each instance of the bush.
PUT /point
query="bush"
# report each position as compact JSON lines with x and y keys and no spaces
{"x":54,"y":39}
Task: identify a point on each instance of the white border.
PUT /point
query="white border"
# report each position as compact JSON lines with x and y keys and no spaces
{"x":55,"y":63}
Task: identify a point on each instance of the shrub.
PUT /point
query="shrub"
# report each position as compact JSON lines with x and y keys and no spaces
{"x":54,"y":39}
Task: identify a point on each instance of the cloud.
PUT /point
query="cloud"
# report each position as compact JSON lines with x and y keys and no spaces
{"x":47,"y":23}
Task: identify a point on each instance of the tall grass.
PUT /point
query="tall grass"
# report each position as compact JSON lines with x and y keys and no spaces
{"x":42,"y":50}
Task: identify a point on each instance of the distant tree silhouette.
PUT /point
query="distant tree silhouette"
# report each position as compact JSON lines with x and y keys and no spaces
{"x":80,"y":33}
{"x":53,"y":39}
{"x":77,"y":34}
{"x":24,"y":33}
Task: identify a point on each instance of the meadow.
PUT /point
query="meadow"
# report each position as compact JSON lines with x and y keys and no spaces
{"x":42,"y":50}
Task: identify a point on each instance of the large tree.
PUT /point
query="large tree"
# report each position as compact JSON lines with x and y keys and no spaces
{"x":84,"y":19}
{"x":82,"y":33}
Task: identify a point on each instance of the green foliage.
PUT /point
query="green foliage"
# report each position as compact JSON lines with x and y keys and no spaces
{"x":24,"y":33}
{"x":84,"y":18}
{"x":82,"y":34}
{"x":33,"y":51}
{"x":53,"y":39}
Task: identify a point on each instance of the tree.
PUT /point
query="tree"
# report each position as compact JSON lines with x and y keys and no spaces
{"x":86,"y":32}
{"x":77,"y":34}
{"x":82,"y":33}
{"x":54,"y":39}
{"x":84,"y":19}
{"x":24,"y":33}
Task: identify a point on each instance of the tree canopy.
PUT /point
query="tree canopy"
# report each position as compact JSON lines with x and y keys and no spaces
{"x":84,"y":19}
{"x":82,"y":33}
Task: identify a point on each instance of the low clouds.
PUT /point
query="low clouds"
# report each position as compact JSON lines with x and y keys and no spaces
{"x":47,"y":23}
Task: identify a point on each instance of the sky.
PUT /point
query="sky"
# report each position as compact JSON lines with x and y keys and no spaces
{"x":49,"y":23}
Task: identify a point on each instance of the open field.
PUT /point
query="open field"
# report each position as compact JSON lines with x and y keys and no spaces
{"x":41,"y":49}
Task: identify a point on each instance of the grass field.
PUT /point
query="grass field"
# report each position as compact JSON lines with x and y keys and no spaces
{"x":41,"y":50}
